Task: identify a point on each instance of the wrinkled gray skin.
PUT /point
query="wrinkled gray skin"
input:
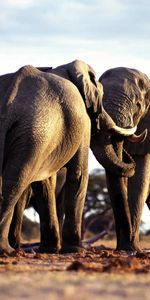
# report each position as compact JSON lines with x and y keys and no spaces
{"x":36,"y":196}
{"x":43,"y":127}
{"x":126,"y":99}
{"x":33,"y":105}
{"x":139,"y":184}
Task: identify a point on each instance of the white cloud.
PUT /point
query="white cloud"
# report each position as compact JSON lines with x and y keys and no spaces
{"x":101,"y":56}
{"x":104,"y":33}
{"x":20,"y":3}
{"x":98,"y":19}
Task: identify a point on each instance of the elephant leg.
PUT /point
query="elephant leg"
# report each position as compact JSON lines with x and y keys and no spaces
{"x":11,"y":193}
{"x":16,"y":224}
{"x":138,"y":191}
{"x":17,"y":174}
{"x":60,"y":204}
{"x":118,"y":191}
{"x":4,"y":230}
{"x":44,"y":194}
{"x":117,"y":187}
{"x":75,"y":192}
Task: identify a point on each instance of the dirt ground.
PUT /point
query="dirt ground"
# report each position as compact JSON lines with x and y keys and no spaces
{"x":98,"y":273}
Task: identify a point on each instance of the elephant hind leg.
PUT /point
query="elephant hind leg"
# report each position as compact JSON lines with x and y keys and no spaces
{"x":46,"y":206}
{"x":15,"y":181}
{"x":4,"y":229}
{"x":12,"y":192}
{"x":16,"y":224}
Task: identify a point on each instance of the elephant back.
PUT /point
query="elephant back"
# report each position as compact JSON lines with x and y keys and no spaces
{"x":143,"y":147}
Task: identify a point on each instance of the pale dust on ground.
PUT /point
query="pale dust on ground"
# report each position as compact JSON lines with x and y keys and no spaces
{"x":66,"y":285}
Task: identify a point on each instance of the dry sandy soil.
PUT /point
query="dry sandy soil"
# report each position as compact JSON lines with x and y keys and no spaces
{"x":98,"y":273}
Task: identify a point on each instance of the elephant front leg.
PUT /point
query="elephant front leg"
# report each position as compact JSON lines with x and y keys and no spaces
{"x":117,"y":187}
{"x":138,"y":191}
{"x":75,"y":192}
{"x":46,"y":206}
{"x":118,"y":191}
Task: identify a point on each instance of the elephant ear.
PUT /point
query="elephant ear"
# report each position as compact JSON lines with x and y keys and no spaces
{"x":83,"y":76}
{"x":144,"y":147}
{"x":147,"y":99}
{"x":5,"y":82}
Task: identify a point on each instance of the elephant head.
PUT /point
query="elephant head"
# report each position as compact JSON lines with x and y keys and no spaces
{"x":126,"y":100}
{"x":126,"y":95}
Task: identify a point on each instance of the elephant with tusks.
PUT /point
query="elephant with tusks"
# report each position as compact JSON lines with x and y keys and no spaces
{"x":126,"y":99}
{"x":45,"y":125}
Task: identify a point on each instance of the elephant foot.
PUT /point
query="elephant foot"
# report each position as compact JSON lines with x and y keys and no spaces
{"x":15,"y":246}
{"x":5,"y":248}
{"x":50,"y":250}
{"x":14,"y":242}
{"x":129,"y":247}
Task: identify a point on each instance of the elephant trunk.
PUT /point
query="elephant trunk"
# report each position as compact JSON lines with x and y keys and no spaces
{"x":116,"y":116}
{"x":103,"y":150}
{"x":110,"y":134}
{"x":118,"y":105}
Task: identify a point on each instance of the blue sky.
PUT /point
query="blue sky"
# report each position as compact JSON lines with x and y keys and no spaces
{"x":103,"y":33}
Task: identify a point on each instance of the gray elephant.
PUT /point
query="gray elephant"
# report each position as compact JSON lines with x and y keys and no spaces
{"x":139,"y":184}
{"x":126,"y":99}
{"x":44,"y":126}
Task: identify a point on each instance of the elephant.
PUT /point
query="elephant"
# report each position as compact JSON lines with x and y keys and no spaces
{"x":126,"y":99}
{"x":45,"y":124}
{"x":139,"y":185}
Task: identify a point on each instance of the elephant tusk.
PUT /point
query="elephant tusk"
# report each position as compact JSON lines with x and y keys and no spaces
{"x":124,"y":131}
{"x":105,"y":120}
{"x":138,"y":138}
